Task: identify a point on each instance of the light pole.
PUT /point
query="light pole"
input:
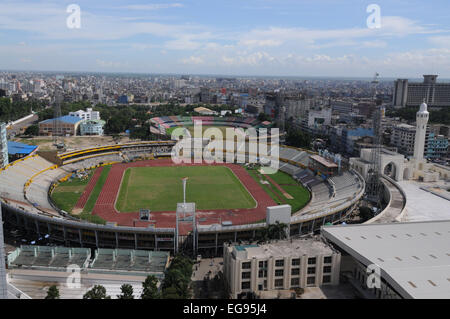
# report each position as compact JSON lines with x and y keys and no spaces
{"x":184,"y":179}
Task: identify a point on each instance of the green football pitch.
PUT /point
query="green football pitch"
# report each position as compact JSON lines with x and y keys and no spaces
{"x":160,"y":188}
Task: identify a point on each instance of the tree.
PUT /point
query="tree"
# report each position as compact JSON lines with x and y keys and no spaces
{"x":177,"y":278}
{"x":98,"y":292}
{"x":273,"y":231}
{"x":295,"y":137}
{"x":171,"y":293}
{"x":52,"y":293}
{"x":365,"y":213}
{"x":150,"y":288}
{"x":32,"y":130}
{"x":263,"y":117}
{"x":127,"y":292}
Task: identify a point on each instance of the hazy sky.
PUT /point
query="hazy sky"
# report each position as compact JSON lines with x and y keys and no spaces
{"x":236,"y":37}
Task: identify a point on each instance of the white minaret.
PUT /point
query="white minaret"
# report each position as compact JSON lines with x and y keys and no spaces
{"x":421,"y":130}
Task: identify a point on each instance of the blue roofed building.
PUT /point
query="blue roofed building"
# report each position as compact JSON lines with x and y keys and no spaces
{"x":67,"y":126}
{"x":18,"y":150}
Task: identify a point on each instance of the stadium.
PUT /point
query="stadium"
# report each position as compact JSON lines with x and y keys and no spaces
{"x":105,"y":189}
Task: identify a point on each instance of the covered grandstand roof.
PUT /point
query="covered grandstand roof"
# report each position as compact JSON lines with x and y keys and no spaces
{"x":323,"y":161}
{"x":414,"y":257}
{"x":15,"y":148}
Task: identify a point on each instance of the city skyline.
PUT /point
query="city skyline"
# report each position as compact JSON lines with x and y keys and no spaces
{"x":258,"y":38}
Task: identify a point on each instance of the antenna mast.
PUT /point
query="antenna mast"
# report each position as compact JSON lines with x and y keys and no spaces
{"x":373,"y":184}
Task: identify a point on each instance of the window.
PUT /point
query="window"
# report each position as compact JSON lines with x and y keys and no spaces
{"x":246,"y":275}
{"x":295,"y":271}
{"x":311,"y":270}
{"x":246,"y":265}
{"x":262,"y":273}
{"x":296,"y":262}
{"x":279,"y":272}
{"x":327,"y":269}
{"x":311,"y":261}
{"x":327,"y":260}
{"x":263,"y":264}
{"x":245,"y":285}
{"x":326,"y":279}
{"x":279,"y":263}
{"x":295,"y":282}
{"x":311,"y":280}
{"x":278,"y":283}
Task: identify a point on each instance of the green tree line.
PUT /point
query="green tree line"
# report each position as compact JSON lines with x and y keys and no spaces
{"x":14,"y":110}
{"x":441,"y":116}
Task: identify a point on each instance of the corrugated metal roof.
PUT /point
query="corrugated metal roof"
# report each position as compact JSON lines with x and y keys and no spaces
{"x":20,"y":148}
{"x":65,"y":119}
{"x":414,"y":257}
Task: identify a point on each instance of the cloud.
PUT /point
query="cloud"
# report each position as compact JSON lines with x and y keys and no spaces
{"x":192,"y":60}
{"x":440,"y":41}
{"x":375,"y":44}
{"x":156,"y":6}
{"x":110,"y":64}
{"x":391,"y":26}
{"x":48,"y":21}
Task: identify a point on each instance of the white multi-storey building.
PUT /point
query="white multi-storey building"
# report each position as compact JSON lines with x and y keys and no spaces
{"x":89,"y":114}
{"x":403,"y":137}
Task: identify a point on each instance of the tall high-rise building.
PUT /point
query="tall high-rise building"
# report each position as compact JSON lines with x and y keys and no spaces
{"x":3,"y":146}
{"x":411,"y":94}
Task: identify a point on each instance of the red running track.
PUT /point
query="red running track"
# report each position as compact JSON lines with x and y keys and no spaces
{"x":105,"y":205}
{"x":88,"y":190}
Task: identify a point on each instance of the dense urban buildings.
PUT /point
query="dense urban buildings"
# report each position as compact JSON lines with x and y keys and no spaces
{"x":328,"y":135}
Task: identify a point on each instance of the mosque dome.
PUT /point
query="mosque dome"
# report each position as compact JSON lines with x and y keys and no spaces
{"x":423,"y":108}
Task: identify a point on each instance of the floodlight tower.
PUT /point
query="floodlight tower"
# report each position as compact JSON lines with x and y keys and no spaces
{"x":57,"y":132}
{"x":3,"y":287}
{"x":374,"y":85}
{"x":373,"y":184}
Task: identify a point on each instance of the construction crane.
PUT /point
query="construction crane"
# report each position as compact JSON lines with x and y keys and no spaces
{"x":57,"y":132}
{"x":373,"y":182}
{"x":374,"y":85}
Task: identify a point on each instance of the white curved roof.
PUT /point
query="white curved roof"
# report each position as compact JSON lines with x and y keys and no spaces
{"x":414,"y":257}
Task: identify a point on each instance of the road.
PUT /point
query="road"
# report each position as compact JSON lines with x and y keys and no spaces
{"x":15,"y":129}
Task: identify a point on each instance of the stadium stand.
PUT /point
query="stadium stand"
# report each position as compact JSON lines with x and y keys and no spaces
{"x":39,"y":257}
{"x":130,"y":260}
{"x":24,"y":186}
